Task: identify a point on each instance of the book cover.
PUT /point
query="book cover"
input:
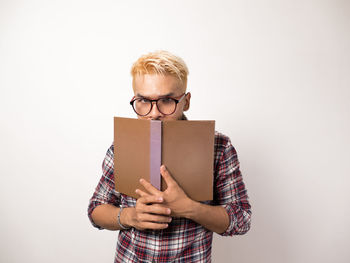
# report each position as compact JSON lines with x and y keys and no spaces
{"x":185,"y":147}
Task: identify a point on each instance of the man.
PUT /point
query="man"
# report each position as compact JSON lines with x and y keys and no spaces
{"x":168,"y":226}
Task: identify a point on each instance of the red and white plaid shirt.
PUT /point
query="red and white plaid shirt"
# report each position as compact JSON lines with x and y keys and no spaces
{"x":184,"y":240}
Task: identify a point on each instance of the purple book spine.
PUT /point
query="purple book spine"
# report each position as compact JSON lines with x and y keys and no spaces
{"x":155,"y":153}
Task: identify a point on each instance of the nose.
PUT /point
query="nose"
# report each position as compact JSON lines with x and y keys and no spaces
{"x":155,"y":114}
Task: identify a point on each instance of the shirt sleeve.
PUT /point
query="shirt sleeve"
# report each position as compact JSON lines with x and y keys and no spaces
{"x":230,"y":191}
{"x":105,"y":192}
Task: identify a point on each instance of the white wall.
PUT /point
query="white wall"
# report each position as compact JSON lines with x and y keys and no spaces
{"x":273,"y":74}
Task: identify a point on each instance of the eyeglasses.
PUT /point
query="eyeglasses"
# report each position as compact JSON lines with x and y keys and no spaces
{"x":165,"y":105}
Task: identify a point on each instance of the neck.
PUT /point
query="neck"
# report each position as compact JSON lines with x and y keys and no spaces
{"x":183,"y":117}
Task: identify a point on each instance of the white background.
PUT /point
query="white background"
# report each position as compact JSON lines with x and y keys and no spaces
{"x":275,"y":75}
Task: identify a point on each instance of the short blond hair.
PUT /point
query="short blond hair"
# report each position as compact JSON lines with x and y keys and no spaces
{"x":161,"y":62}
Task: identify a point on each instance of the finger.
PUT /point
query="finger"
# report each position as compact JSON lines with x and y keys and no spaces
{"x":154,"y":218}
{"x":156,"y":209}
{"x":149,"y":187}
{"x":154,"y":226}
{"x":141,"y":193}
{"x":167,"y":177}
{"x":150,"y":199}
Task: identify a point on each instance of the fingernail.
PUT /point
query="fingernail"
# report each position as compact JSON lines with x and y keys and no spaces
{"x":169,"y":211}
{"x":141,"y":180}
{"x":160,"y":199}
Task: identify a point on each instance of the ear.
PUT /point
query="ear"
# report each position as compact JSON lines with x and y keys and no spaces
{"x":188,"y":99}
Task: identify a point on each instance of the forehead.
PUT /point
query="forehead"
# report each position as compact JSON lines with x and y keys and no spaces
{"x":155,"y":85}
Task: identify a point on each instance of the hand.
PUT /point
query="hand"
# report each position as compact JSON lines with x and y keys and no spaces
{"x":148,"y":213}
{"x":174,"y":196}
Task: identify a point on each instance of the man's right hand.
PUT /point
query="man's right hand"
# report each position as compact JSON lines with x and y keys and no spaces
{"x":149,"y":213}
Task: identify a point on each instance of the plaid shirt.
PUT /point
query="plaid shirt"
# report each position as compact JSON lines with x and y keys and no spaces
{"x":184,"y":240}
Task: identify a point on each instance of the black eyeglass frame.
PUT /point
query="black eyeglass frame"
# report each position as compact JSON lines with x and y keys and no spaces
{"x":156,"y":101}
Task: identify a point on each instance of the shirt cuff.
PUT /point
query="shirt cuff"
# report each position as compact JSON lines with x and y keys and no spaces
{"x":239,"y":220}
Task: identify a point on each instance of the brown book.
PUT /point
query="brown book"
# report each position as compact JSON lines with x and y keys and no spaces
{"x":185,"y":147}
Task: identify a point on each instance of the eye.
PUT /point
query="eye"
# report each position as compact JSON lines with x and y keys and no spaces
{"x":143,"y":100}
{"x":166,"y":100}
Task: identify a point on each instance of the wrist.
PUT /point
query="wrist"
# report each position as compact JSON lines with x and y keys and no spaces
{"x":192,"y":209}
{"x":123,"y":218}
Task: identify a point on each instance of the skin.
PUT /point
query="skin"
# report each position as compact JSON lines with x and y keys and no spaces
{"x":155,"y":209}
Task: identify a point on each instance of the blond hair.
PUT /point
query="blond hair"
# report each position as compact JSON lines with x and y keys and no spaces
{"x":163,"y":63}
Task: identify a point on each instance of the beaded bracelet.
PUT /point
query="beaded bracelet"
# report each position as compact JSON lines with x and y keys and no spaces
{"x":120,"y":224}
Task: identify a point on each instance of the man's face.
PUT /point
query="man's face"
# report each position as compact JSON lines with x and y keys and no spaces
{"x":154,"y":86}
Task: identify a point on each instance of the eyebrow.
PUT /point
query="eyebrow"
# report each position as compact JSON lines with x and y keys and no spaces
{"x":166,"y":95}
